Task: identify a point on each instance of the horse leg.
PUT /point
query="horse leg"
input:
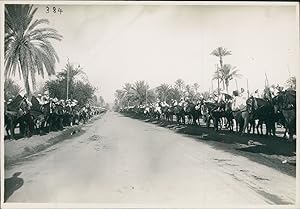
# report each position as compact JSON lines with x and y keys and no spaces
{"x":261,"y":127}
{"x":12,"y":129}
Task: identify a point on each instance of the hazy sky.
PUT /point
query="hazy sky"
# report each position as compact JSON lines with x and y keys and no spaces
{"x":159,"y":44}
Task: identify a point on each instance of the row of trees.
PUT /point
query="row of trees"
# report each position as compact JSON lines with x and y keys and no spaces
{"x":29,"y":52}
{"x":139,"y":93}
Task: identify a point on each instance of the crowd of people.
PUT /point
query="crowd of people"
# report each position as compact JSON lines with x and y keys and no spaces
{"x":42,"y":114}
{"x":245,"y":110}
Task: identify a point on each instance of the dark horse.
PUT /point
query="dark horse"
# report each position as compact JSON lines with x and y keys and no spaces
{"x":18,"y":112}
{"x":213,"y":112}
{"x":194,"y":112}
{"x":180,"y":114}
{"x":263,"y":111}
{"x":285,"y":102}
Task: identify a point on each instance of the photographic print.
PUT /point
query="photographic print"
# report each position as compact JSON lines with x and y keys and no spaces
{"x":149,"y":104}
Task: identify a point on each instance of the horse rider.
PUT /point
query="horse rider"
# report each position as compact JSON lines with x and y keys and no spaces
{"x":39,"y":99}
{"x":186,"y":103}
{"x":174,"y":103}
{"x":45,"y":98}
{"x":26,"y":100}
{"x":215,"y":97}
{"x":239,"y":101}
{"x":243,"y":94}
{"x":221,"y":101}
{"x":164,"y":104}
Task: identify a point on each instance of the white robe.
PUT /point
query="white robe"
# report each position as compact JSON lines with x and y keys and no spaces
{"x":239,"y":103}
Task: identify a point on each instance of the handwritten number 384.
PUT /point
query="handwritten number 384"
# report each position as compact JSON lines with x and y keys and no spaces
{"x":54,"y":10}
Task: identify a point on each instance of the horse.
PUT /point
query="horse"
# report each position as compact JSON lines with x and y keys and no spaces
{"x":180,"y":114}
{"x":285,"y":102}
{"x":263,"y":111}
{"x":211,"y":111}
{"x":165,"y":113}
{"x":18,"y":112}
{"x":193,"y":112}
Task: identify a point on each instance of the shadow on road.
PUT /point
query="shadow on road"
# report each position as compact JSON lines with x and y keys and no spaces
{"x":12,"y":184}
{"x":273,"y":148}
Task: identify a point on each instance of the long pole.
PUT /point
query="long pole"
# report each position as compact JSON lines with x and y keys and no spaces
{"x":68,"y":65}
{"x":146,"y":97}
{"x":247,"y":88}
{"x":267,"y":81}
{"x":218,"y":80}
{"x":236,"y":84}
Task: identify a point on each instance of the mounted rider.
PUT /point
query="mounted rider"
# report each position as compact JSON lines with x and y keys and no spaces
{"x":186,"y":103}
{"x":239,"y":100}
{"x":39,"y":99}
{"x":25,"y":105}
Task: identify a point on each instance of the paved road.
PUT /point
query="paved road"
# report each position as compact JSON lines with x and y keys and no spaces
{"x":122,"y":160}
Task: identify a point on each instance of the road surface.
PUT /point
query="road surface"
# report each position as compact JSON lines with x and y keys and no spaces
{"x":120,"y":160}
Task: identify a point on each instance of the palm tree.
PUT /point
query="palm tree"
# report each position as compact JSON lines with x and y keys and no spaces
{"x":119,"y":94}
{"x":163,"y":92}
{"x":70,"y":74}
{"x":291,"y":82}
{"x":218,"y":75}
{"x":220,"y":52}
{"x":28,"y":49}
{"x":140,"y":89}
{"x":179,"y":85}
{"x":196,"y":86}
{"x":226,"y":74}
{"x":189,"y":91}
{"x":11,"y":89}
{"x":128,"y":93}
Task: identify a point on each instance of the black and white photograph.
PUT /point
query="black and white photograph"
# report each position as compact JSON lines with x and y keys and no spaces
{"x":149,"y":104}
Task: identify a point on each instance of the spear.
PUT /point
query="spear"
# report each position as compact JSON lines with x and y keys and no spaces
{"x":267,"y":82}
{"x":68,"y":79}
{"x":247,"y":88}
{"x":218,"y":80}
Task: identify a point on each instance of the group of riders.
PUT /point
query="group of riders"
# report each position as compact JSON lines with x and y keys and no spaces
{"x":43,"y":114}
{"x":245,"y":112}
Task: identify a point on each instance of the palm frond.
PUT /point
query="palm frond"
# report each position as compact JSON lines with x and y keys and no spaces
{"x":27,"y":46}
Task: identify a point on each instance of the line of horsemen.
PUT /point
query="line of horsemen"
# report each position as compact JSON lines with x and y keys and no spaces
{"x":248,"y":112}
{"x":43,"y":114}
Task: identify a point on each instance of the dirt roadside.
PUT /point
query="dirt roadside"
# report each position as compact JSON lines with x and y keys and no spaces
{"x":17,"y":150}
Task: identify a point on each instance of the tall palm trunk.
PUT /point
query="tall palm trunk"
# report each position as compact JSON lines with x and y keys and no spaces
{"x":221,"y":62}
{"x":227,"y":85}
{"x":27,"y":86}
{"x":25,"y":75}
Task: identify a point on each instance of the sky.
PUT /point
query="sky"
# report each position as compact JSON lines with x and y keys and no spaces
{"x":159,"y":44}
